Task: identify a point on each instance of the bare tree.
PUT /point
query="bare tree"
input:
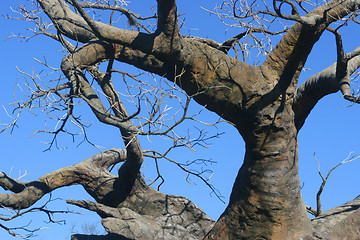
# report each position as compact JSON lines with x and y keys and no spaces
{"x":263,"y":102}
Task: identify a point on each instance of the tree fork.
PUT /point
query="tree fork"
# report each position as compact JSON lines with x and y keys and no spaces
{"x":260,"y":101}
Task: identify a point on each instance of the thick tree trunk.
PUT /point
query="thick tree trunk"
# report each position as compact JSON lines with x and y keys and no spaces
{"x":265,"y":201}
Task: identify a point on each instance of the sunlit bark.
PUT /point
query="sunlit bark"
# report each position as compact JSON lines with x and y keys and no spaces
{"x":262,"y":102}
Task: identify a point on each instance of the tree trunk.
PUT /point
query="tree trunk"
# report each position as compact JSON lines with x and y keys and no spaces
{"x":265,"y":202}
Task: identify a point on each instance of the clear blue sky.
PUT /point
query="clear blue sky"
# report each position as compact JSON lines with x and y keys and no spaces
{"x":332,"y":131}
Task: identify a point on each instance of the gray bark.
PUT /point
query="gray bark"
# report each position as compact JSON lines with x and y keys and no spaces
{"x":262,"y":102}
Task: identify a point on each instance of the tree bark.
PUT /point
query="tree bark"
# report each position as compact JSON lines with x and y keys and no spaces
{"x":262,"y":102}
{"x":265,"y":202}
{"x":339,"y":222}
{"x":142,"y":213}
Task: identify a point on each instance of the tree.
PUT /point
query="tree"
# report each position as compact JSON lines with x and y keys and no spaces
{"x":263,"y":102}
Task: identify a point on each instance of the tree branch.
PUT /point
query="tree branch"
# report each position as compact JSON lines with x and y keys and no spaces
{"x":97,"y":183}
{"x":66,"y":21}
{"x":349,"y":159}
{"x":289,"y":56}
{"x":295,"y":15}
{"x":71,"y":68}
{"x":339,"y":221}
{"x":319,"y":85}
{"x":131,"y":16}
{"x":155,"y":44}
{"x":176,"y":217}
{"x":225,"y":46}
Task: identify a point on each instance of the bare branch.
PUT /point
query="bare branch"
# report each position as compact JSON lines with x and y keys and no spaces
{"x":199,"y":174}
{"x":350,"y":158}
{"x":180,"y":218}
{"x":225,"y":46}
{"x":132,"y":17}
{"x":43,"y":95}
{"x":311,"y":210}
{"x":321,"y":84}
{"x":81,"y":173}
{"x":295,"y":16}
{"x":147,"y":43}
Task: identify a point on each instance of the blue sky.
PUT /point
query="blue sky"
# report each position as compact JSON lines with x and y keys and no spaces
{"x":332,"y":131}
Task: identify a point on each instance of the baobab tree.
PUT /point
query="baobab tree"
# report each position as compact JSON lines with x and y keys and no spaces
{"x":263,"y":102}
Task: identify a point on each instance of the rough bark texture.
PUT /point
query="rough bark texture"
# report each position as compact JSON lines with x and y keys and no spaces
{"x":338,"y":222}
{"x":262,"y":102}
{"x":159,"y":217}
{"x":144,"y":214}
